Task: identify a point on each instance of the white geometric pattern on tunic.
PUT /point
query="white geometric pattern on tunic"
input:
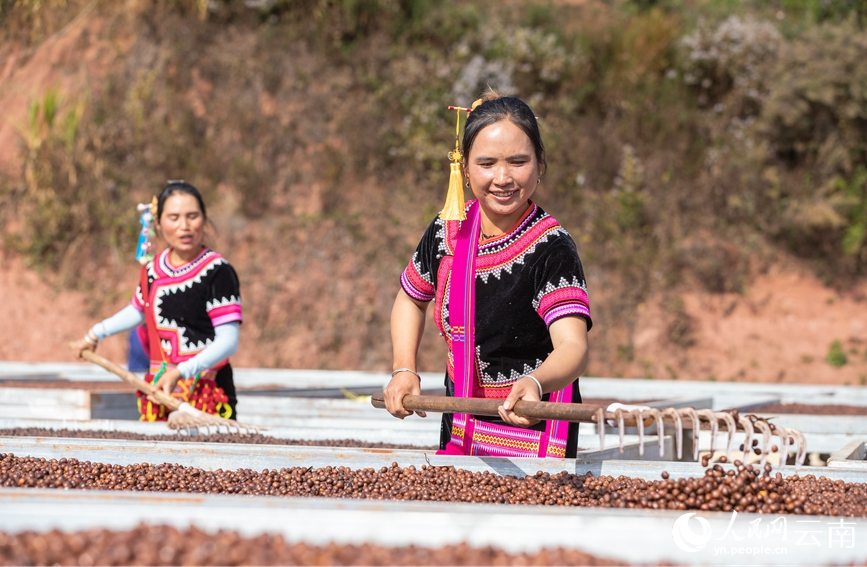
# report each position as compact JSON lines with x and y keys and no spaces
{"x":500,"y":379}
{"x":184,"y":345}
{"x":231,"y":300}
{"x":551,"y":287}
{"x":519,"y":259}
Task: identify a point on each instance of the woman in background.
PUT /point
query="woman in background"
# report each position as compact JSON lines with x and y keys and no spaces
{"x":189,"y":298}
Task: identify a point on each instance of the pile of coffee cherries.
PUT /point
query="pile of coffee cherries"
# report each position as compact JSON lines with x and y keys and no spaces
{"x":163,"y":545}
{"x":744,"y":488}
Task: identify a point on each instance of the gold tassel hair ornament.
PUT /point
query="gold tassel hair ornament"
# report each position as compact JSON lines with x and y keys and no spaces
{"x":454,"y":208}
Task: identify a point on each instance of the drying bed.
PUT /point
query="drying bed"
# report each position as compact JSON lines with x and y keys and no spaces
{"x":89,"y":385}
{"x":741,"y":488}
{"x":810,"y":409}
{"x":853,"y":457}
{"x":319,"y":429}
{"x":166,"y":545}
{"x":514,"y":529}
{"x":240,"y":438}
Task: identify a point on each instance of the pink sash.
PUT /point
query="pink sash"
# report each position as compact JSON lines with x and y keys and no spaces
{"x":471,"y":436}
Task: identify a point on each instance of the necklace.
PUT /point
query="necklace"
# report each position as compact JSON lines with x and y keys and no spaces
{"x":489,"y":236}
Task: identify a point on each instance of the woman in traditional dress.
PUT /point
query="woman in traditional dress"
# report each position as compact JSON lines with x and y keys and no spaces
{"x":509,"y":296}
{"x":189,"y":297}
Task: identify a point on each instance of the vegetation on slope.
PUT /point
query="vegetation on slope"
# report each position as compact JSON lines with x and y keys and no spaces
{"x":688,"y":142}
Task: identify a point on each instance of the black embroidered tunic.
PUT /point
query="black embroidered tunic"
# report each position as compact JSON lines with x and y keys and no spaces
{"x":525,"y":280}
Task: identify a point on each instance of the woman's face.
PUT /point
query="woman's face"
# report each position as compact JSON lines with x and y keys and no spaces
{"x":502,"y":169}
{"x":182,"y":224}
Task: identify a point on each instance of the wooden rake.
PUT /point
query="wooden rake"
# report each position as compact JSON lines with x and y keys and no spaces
{"x":678,"y":418}
{"x":183,"y":415}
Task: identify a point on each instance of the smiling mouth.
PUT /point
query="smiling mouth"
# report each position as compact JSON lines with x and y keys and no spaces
{"x":503,"y":194}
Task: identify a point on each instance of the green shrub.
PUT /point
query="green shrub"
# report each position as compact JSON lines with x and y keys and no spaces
{"x":836,"y":357}
{"x":815,"y":119}
{"x":816,"y":111}
{"x":66,"y":204}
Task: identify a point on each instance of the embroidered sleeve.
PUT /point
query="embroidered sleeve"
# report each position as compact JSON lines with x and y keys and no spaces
{"x":224,"y":296}
{"x":560,"y":287}
{"x":417,"y":280}
{"x":137,"y":298}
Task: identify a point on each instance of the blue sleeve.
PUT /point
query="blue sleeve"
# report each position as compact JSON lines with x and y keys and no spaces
{"x":127,"y":318}
{"x":224,"y":345}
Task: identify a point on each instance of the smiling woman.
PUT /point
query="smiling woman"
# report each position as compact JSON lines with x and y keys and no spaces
{"x":510,"y":296}
{"x":190,"y":299}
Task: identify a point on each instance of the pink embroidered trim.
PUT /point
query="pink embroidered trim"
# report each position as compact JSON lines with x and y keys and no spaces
{"x":227,"y":318}
{"x":569,"y":300}
{"x":416,"y":286}
{"x":163,"y":268}
{"x":565,"y":311}
{"x":488,"y":261}
{"x":522,"y":245}
{"x":224,"y":311}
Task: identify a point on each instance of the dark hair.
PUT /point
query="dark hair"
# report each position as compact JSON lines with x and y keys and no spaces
{"x":496,"y":108}
{"x":184,"y":188}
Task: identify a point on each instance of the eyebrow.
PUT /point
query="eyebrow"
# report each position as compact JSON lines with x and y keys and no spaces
{"x":517,"y":156}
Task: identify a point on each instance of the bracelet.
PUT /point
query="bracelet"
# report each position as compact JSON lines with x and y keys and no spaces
{"x":536,"y":380}
{"x":88,"y":340}
{"x":399,"y":370}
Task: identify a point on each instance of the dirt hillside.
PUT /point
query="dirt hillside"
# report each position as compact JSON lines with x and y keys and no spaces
{"x":320,"y":251}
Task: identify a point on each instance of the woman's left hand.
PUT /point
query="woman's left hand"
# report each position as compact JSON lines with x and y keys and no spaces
{"x":524,"y":389}
{"x":167,"y":382}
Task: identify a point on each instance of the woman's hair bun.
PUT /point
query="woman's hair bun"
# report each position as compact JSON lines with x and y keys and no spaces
{"x":489,"y":94}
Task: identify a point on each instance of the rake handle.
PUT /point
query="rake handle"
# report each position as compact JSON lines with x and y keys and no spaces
{"x":579,"y":413}
{"x":477,"y":406}
{"x":131,"y":379}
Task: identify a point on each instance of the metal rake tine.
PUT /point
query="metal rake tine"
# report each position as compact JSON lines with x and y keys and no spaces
{"x":621,"y":427}
{"x":801,"y":455}
{"x":600,"y":427}
{"x":731,"y":427}
{"x":696,"y":427}
{"x":660,"y":431}
{"x":711,"y":417}
{"x":748,"y":430}
{"x":640,"y":423}
{"x":678,"y":430}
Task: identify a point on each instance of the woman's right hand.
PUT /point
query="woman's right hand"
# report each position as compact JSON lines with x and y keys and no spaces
{"x":401,"y":384}
{"x":81,"y":345}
